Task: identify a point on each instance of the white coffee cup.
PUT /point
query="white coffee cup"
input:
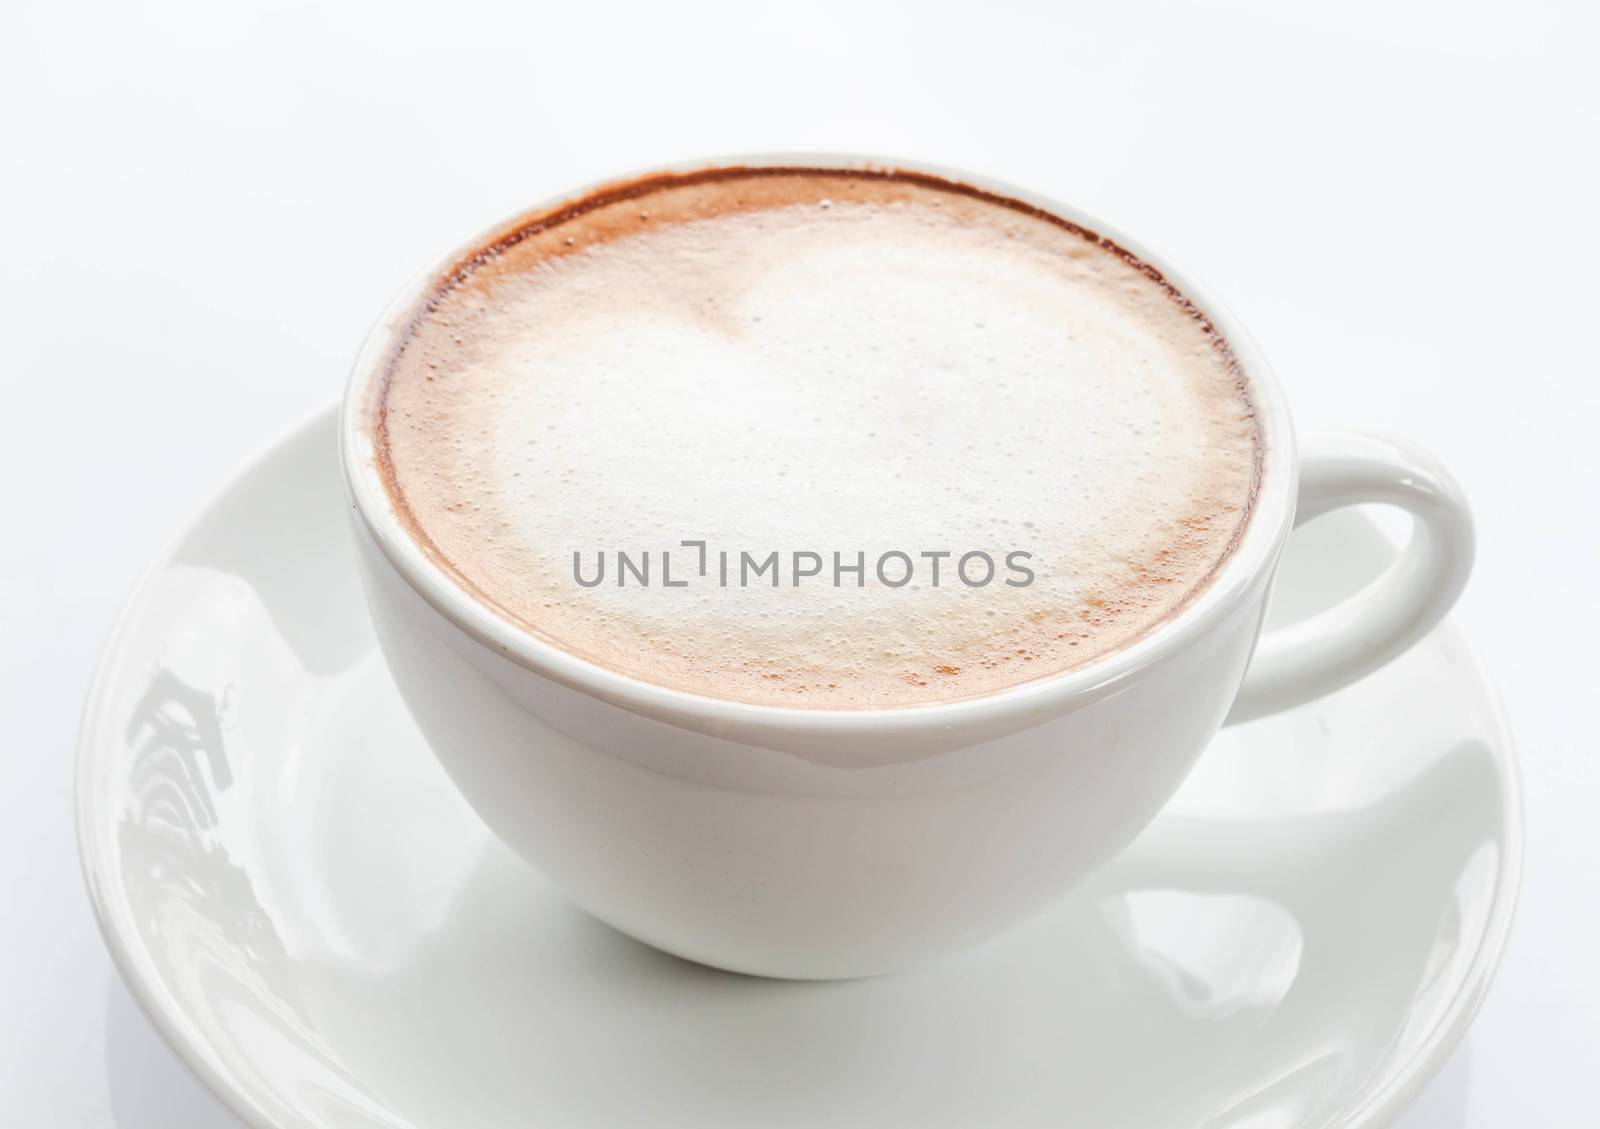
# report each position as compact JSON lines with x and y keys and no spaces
{"x":820,"y":843}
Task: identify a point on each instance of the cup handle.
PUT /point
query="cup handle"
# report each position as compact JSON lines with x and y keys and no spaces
{"x":1301,"y":661}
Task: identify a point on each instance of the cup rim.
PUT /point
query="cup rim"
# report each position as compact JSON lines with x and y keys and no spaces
{"x":1250,"y":563}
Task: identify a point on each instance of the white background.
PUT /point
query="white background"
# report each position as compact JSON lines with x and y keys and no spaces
{"x":205,"y":205}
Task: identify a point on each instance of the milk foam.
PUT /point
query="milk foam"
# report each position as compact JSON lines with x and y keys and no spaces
{"x":827,"y":364}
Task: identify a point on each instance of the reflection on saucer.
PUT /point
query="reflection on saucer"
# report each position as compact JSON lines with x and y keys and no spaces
{"x":212,"y":941}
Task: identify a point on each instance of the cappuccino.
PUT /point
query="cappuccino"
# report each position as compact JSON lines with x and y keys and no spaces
{"x":816,"y":438}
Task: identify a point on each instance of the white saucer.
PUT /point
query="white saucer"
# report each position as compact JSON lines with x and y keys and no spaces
{"x":328,"y":937}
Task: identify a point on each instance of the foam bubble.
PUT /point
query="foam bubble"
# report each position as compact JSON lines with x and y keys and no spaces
{"x":908,"y":369}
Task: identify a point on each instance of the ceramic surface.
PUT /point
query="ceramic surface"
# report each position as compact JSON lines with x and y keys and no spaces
{"x":827,"y":843}
{"x":329,"y":937}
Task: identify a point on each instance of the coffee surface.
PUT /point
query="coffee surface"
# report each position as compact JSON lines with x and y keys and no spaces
{"x":839,"y":369}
